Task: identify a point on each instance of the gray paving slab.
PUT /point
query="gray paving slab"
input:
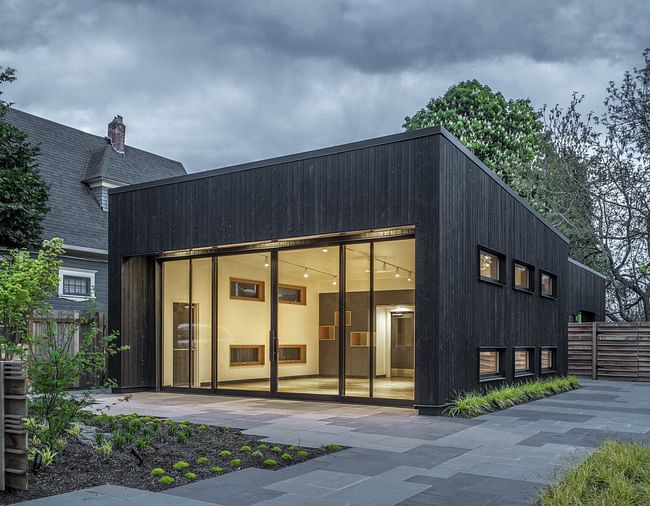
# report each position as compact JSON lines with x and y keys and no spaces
{"x":395,"y":456}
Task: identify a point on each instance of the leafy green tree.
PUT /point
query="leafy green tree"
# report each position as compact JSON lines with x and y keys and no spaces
{"x":23,"y":191}
{"x":26,"y":282}
{"x":507,"y":135}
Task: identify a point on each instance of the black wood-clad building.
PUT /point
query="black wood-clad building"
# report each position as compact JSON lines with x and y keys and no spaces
{"x":235,"y":280}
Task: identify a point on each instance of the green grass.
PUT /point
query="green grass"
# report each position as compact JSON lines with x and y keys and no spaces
{"x":617,"y":474}
{"x":477,"y":403}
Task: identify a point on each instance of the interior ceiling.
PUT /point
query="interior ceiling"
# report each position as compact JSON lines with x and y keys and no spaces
{"x":322,"y":262}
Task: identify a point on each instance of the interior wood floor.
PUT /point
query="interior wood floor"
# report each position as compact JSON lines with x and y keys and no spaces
{"x":384,"y":388}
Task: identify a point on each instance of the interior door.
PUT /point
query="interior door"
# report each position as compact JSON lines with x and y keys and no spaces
{"x":181,"y":343}
{"x":402,"y":343}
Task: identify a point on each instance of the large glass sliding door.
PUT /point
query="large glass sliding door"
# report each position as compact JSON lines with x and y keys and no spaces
{"x":187,"y":342}
{"x":308,"y":301}
{"x":343,"y":328}
{"x":244,"y":321}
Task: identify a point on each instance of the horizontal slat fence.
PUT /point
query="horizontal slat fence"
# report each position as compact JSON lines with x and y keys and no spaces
{"x":610,"y":350}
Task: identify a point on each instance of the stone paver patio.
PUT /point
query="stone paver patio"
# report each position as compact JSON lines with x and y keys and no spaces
{"x":396,"y":456}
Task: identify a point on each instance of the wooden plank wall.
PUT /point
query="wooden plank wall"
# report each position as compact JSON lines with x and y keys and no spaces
{"x":610,"y":350}
{"x":586,"y":291}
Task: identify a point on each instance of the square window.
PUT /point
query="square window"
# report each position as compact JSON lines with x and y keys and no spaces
{"x":490,"y":364}
{"x":523,"y":277}
{"x":523,"y":361}
{"x":548,"y":282}
{"x":548,"y":359}
{"x":491,"y":266}
{"x":76,"y":285}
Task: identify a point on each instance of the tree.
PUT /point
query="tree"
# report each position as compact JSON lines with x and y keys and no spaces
{"x":621,"y":193}
{"x":23,"y":192}
{"x":26,"y":282}
{"x":507,"y":135}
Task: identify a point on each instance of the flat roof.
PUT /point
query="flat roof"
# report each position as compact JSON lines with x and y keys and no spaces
{"x":341,"y":148}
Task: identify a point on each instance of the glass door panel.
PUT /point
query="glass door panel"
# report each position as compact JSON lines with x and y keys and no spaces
{"x":201,"y":356}
{"x":176,"y":323}
{"x":243,"y":319}
{"x":358,"y":336}
{"x":308,"y":298}
{"x":394,"y":300}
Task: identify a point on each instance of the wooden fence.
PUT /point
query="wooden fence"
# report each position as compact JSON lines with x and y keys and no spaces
{"x":610,"y":350}
{"x":74,"y":324}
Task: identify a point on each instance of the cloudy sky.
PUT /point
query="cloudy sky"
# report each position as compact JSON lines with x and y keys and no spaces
{"x":213,"y":83}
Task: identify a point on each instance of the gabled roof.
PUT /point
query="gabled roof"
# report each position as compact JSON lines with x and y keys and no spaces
{"x":68,"y":159}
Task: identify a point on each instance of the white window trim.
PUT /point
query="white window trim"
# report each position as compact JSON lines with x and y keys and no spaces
{"x":80,"y":273}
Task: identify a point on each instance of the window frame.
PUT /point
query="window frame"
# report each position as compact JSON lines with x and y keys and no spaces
{"x":501,"y":281}
{"x":302,"y":290}
{"x":77,"y":273}
{"x":553,"y":350}
{"x":500,"y":375}
{"x":261,"y":357}
{"x":531,"y":361}
{"x":553,"y":277}
{"x":531,"y":277}
{"x":261,"y":287}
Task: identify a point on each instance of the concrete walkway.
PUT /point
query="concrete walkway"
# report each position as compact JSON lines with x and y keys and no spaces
{"x":396,"y":456}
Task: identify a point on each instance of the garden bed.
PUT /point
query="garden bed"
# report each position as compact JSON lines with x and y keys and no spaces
{"x":616,"y":474}
{"x":153,"y":454}
{"x":479,"y":403}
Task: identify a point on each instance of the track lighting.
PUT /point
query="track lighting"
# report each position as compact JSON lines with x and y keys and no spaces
{"x":266,"y":261}
{"x":334,"y":281}
{"x":324,"y":250}
{"x":397,"y":273}
{"x":305,"y":274}
{"x":409,"y":278}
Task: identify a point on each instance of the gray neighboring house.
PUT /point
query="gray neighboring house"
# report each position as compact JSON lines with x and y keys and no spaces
{"x":81,"y":168}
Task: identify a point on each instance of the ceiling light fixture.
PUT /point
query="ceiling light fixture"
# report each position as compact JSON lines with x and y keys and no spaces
{"x":306,"y":274}
{"x":324,"y":250}
{"x":397,"y":273}
{"x":409,"y":278}
{"x":266,"y":261}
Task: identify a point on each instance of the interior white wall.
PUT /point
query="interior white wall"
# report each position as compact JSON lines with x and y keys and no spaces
{"x":242,"y":321}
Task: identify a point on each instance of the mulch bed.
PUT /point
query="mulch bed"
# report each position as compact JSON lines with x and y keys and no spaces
{"x":80,"y":465}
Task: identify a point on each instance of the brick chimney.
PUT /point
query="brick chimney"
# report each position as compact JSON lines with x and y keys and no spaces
{"x":117,"y":133}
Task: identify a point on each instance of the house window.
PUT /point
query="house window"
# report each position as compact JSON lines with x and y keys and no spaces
{"x":292,"y":353}
{"x":491,"y":266}
{"x":548,"y":359}
{"x":241,"y":355}
{"x":523,"y":361}
{"x":523,"y":277}
{"x":76,"y":284}
{"x":246,"y":289}
{"x":490,"y":364}
{"x":291,"y":294}
{"x":548,"y":283}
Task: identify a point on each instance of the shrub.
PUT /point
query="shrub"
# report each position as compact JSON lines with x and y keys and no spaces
{"x":235,"y":463}
{"x":224,"y":453}
{"x":245,"y":448}
{"x":166,"y":480}
{"x":157,"y":471}
{"x":182,"y":437}
{"x":262,"y":446}
{"x":118,"y":440}
{"x":276,"y":449}
{"x":333,"y":447}
{"x":216,"y":469}
{"x":286,"y":457}
{"x":223,"y":428}
{"x":105,"y":449}
{"x":190,"y":475}
{"x":202,"y":460}
{"x":476,"y":403}
{"x":172,"y":429}
{"x":269,"y":463}
{"x":302,"y":453}
{"x":616,"y":474}
{"x":74,"y":430}
{"x":293,"y":448}
{"x":180,"y":465}
{"x":203,"y":426}
{"x":142,"y":443}
{"x":257,"y":454}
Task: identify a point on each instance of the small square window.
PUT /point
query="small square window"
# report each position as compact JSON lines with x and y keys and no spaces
{"x":548,"y":357}
{"x":491,"y":266}
{"x":490,"y":364}
{"x":523,"y":277}
{"x":548,"y":283}
{"x":76,"y":284}
{"x":523,"y":361}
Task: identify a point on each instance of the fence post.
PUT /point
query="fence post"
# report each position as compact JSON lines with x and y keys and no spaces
{"x":594,"y":350}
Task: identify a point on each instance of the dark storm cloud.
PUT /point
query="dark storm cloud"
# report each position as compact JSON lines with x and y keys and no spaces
{"x":213,"y":82}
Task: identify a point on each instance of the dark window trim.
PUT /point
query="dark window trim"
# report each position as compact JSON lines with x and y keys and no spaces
{"x":553,"y":350}
{"x":501,"y":375}
{"x":502,"y":266}
{"x":532,"y":362}
{"x":541,"y":289}
{"x":531,"y":277}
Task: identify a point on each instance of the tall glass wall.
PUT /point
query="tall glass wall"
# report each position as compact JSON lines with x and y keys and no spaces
{"x":308,"y":298}
{"x":176,"y":323}
{"x":244,"y":319}
{"x":201,"y":359}
{"x":358,"y":333}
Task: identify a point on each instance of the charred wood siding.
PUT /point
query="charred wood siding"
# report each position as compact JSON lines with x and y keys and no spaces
{"x":476,"y":210}
{"x":586,"y":291}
